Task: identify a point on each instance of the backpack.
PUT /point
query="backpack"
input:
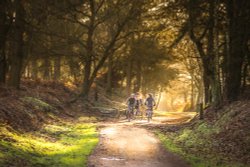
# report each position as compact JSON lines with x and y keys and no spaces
{"x":131,"y":101}
{"x":149,"y":101}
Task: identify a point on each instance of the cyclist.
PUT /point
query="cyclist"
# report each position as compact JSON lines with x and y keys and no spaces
{"x":150,"y":102}
{"x":138,"y":104}
{"x":131,"y":105}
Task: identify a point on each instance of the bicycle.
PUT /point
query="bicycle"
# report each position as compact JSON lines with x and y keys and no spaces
{"x":149,"y":113}
{"x":130,"y":113}
{"x":138,"y":113}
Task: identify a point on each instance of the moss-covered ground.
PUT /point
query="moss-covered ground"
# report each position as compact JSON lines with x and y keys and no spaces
{"x":197,"y":145}
{"x":64,"y":144}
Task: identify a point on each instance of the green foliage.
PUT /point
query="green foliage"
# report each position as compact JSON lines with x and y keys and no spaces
{"x":39,"y":104}
{"x":168,"y":143}
{"x":172,"y":143}
{"x":197,"y":137}
{"x":195,"y":144}
{"x":61,"y":145}
{"x":154,"y":60}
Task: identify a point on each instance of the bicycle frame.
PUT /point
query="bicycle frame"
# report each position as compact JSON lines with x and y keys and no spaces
{"x":130,"y":112}
{"x":149,"y":112}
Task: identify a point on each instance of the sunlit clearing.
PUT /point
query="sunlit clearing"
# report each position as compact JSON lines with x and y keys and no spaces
{"x":109,"y":131}
{"x":133,"y":141}
{"x":171,"y":102}
{"x":56,"y":145}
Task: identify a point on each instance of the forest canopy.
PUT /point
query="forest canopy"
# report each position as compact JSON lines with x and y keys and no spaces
{"x":130,"y":46}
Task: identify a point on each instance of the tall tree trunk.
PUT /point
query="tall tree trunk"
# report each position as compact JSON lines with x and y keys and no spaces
{"x":89,"y":56}
{"x":57,"y":68}
{"x":109,"y":76}
{"x":129,"y":75}
{"x":138,"y":76}
{"x":27,"y":71}
{"x":202,"y":54}
{"x":86,"y":80}
{"x":218,"y":69}
{"x":90,"y":77}
{"x":210,"y":80}
{"x":3,"y":66}
{"x":159,"y":99}
{"x":46,"y":68}
{"x":206,"y":84}
{"x":199,"y":96}
{"x":244,"y":77}
{"x":238,"y":16}
{"x":213,"y":71}
{"x":4,"y":27}
{"x":192,"y":92}
{"x":16,"y":59}
{"x":34,"y":67}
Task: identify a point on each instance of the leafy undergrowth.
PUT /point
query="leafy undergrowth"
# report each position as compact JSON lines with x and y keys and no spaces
{"x":221,"y":140}
{"x":34,"y":104}
{"x":39,"y":127}
{"x":62,"y":144}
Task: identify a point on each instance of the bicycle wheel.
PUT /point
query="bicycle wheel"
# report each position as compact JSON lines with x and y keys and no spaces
{"x":128,"y":116}
{"x":149,"y":115}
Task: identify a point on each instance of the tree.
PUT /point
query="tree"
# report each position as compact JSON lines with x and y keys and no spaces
{"x":5,"y":23}
{"x":16,"y":59}
{"x":238,"y":32}
{"x":100,"y":14}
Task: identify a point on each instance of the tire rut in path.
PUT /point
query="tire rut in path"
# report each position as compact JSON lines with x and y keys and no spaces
{"x":129,"y":146}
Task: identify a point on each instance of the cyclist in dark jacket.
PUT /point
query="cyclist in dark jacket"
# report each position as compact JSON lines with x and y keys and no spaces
{"x":131,"y":102}
{"x":150,"y":102}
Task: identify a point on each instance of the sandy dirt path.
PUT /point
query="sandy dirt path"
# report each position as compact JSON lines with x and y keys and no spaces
{"x":124,"y":144}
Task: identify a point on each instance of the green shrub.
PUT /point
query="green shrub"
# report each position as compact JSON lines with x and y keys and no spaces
{"x":39,"y":104}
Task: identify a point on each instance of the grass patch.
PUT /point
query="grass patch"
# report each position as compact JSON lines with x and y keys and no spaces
{"x":38,"y":104}
{"x":171,"y":146}
{"x":64,"y":145}
{"x":194,"y":146}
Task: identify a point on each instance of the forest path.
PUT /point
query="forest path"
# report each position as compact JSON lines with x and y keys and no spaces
{"x":127,"y":144}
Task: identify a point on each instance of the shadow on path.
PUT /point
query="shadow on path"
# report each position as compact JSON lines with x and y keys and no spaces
{"x":124,"y":144}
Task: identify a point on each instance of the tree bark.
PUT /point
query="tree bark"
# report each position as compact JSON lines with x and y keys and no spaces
{"x":46,"y":69}
{"x":89,"y":55}
{"x":16,"y":60}
{"x":109,"y":76}
{"x":238,"y":16}
{"x":4,"y":27}
{"x":57,"y":68}
{"x":210,"y":80}
{"x":34,"y":67}
{"x":213,"y":71}
{"x":129,"y":75}
{"x":138,"y":76}
{"x":192,"y":92}
{"x":244,"y":77}
{"x":89,"y":76}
